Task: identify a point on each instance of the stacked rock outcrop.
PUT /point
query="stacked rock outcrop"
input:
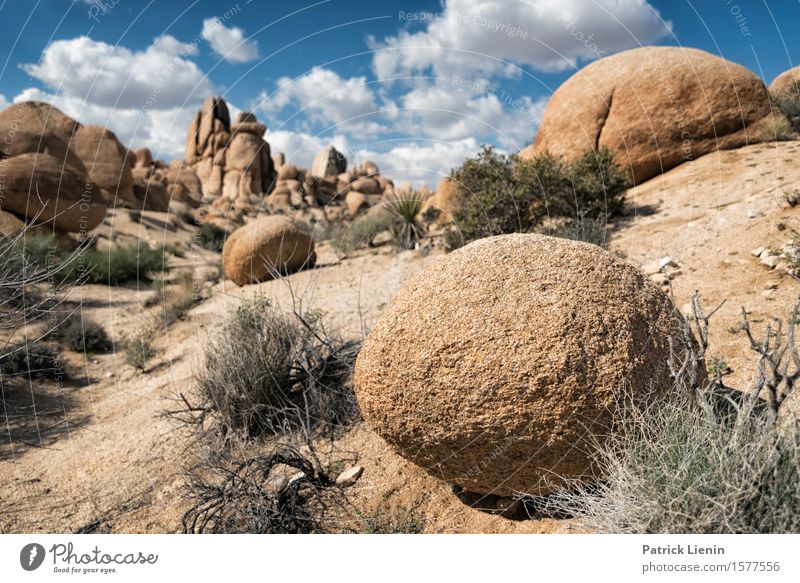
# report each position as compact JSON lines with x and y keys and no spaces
{"x":231,"y":160}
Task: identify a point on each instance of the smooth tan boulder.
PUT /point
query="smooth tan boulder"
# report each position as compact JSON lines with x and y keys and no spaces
{"x":385,"y":183}
{"x":41,"y":187}
{"x":143,"y":158}
{"x":788,"y":81}
{"x":10,"y":224}
{"x":38,"y":118}
{"x":448,"y":198}
{"x":246,"y":117}
{"x":655,"y":108}
{"x":496,"y":367}
{"x":16,"y":141}
{"x":182,"y":184}
{"x":106,"y":161}
{"x":367,"y":186}
{"x":30,"y":127}
{"x":369,"y":168}
{"x":288,"y":172}
{"x":266,"y":247}
{"x":356,"y":203}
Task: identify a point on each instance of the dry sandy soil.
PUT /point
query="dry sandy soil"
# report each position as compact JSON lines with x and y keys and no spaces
{"x":101,"y":458}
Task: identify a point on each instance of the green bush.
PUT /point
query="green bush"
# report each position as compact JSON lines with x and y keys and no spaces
{"x":511,"y":195}
{"x":124,"y":264}
{"x":362,"y":232}
{"x":34,"y":359}
{"x":115,"y":266}
{"x":81,"y":334}
{"x":211,"y":237}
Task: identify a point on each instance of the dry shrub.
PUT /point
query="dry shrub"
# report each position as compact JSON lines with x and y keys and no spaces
{"x":29,"y":360}
{"x":269,"y":372}
{"x":283,"y":492}
{"x":405,"y":521}
{"x":672,"y":471}
{"x":706,"y":458}
{"x":269,"y":382}
{"x":177,"y":300}
{"x":81,"y":334}
{"x":139,"y":349}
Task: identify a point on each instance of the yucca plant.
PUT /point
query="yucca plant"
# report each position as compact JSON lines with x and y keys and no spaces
{"x":406,"y":208}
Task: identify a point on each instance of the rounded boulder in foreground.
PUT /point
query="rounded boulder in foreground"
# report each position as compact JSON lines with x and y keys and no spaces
{"x":267,"y":247}
{"x":496,"y":367}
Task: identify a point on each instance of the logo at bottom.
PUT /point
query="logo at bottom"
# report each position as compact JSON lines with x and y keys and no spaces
{"x":31,"y":556}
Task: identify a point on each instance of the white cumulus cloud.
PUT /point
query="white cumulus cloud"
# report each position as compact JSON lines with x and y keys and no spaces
{"x":322,"y":96}
{"x":229,"y":42}
{"x":160,"y":77}
{"x":147,"y":98}
{"x":462,"y":109}
{"x":421,"y":161}
{"x":492,"y":36}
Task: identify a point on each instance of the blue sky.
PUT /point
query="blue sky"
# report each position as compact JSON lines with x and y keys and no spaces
{"x":416,"y":86}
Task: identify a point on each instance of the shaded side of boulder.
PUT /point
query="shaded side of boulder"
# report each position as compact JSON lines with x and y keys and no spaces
{"x":15,"y":141}
{"x":106,"y":161}
{"x":785,"y":91}
{"x":150,"y":191}
{"x":328,"y":162}
{"x":143,"y":158}
{"x":41,"y":187}
{"x":448,"y":198}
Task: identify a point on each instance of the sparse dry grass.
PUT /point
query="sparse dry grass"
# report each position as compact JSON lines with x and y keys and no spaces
{"x":709,"y":460}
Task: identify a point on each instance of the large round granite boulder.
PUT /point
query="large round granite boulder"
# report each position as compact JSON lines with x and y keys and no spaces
{"x":657,"y":107}
{"x":497,"y":367}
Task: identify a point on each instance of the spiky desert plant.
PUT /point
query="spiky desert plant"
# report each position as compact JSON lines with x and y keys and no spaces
{"x":406,"y":207}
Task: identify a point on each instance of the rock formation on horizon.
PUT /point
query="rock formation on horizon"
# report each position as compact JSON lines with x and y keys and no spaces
{"x":232,"y":160}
